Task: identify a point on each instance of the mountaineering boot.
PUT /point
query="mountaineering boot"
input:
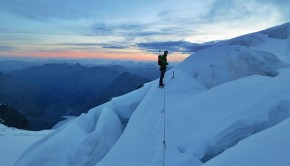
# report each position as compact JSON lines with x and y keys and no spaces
{"x":161,"y":86}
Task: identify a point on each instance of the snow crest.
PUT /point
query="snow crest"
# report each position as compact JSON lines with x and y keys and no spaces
{"x":244,"y":128}
{"x":95,"y":146}
{"x":215,"y":66}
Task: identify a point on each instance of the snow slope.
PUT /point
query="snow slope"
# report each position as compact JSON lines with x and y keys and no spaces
{"x":269,"y":147}
{"x":221,"y":100}
{"x":275,"y":40}
{"x":13,"y":143}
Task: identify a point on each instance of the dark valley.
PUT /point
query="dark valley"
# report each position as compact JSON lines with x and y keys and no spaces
{"x":43,"y":94}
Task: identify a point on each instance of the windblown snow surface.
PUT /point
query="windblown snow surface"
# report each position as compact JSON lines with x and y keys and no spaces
{"x":227,"y":105}
{"x":13,"y":142}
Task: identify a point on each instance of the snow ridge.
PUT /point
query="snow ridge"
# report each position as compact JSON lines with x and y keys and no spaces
{"x":215,"y":66}
{"x":242,"y":129}
{"x":269,"y":147}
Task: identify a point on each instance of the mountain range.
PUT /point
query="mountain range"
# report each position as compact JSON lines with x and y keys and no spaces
{"x":46,"y":93}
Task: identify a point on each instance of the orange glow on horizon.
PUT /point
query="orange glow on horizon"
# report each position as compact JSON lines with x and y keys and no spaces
{"x":120,"y":55}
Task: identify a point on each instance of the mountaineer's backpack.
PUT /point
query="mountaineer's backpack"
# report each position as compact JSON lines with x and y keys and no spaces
{"x":159,"y":60}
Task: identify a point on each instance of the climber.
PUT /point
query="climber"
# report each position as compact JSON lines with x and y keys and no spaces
{"x":162,"y":62}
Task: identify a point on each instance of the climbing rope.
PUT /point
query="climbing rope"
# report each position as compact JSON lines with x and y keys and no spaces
{"x":164,"y":128}
{"x":164,"y":121}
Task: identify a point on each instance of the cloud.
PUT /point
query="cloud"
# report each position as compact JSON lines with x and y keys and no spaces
{"x":182,"y":22}
{"x":80,"y":44}
{"x":52,"y":9}
{"x":103,"y":45}
{"x":116,"y":29}
{"x":174,"y":46}
{"x":115,"y":47}
{"x":282,"y":5}
{"x":253,"y":10}
{"x":75,"y":9}
{"x":7,"y":48}
{"x":140,"y":32}
{"x":149,"y":25}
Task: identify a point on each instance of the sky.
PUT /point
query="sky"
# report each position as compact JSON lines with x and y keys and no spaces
{"x":128,"y":29}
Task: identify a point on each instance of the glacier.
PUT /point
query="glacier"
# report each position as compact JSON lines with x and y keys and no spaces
{"x":227,"y":105}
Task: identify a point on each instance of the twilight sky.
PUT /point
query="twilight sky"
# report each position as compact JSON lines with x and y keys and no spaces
{"x":128,"y":29}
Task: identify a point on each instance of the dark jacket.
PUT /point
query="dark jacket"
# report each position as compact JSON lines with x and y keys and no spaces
{"x":163,"y":61}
